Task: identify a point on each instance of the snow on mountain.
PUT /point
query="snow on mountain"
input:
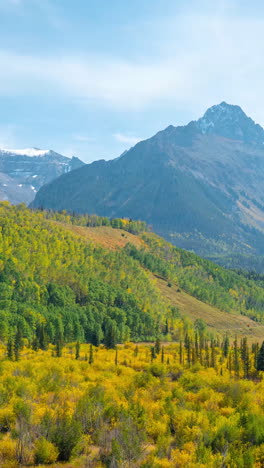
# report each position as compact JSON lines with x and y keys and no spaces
{"x":24,"y":171}
{"x":32,"y":152}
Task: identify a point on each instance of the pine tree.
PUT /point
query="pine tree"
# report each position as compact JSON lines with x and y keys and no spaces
{"x":18,"y":343}
{"x":213,"y":358}
{"x":110,"y":338}
{"x":77,"y":350}
{"x":162,"y":354}
{"x":226,"y":346}
{"x":91,"y":358}
{"x":153,"y":354}
{"x":236,"y":360}
{"x":35,"y":344}
{"x":196,"y":346}
{"x":10,"y":349}
{"x":59,"y":347}
{"x":42,"y":338}
{"x":260,"y":358}
{"x":157,"y":346}
{"x":181,"y":353}
{"x":116,"y":358}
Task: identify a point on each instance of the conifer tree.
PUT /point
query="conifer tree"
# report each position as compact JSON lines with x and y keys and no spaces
{"x":91,"y":358}
{"x":162,"y":354}
{"x":77,"y":350}
{"x":42,"y":338}
{"x":136,"y":351}
{"x":236,"y":360}
{"x":110,"y":338}
{"x":260,"y":358}
{"x":181,"y":353}
{"x":18,"y":343}
{"x":213,"y":358}
{"x":157,"y":346}
{"x":59,"y":347}
{"x":153,"y":354}
{"x":35,"y":344}
{"x":226,"y":346}
{"x":10,"y":349}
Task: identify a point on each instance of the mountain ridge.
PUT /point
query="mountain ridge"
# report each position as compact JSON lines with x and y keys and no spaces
{"x":24,"y":171}
{"x":186,"y":182}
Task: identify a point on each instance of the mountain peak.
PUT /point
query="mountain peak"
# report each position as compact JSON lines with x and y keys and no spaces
{"x":230,"y":121}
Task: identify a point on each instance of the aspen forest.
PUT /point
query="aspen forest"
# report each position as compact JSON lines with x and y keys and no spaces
{"x":108,"y":357}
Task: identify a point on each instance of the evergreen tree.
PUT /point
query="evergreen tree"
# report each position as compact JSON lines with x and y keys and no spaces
{"x":42,"y":337}
{"x":35,"y":344}
{"x":59,"y":346}
{"x":157,"y":346}
{"x":236,"y":360}
{"x":77,"y":350}
{"x":18,"y":343}
{"x":260,"y":358}
{"x":110,"y":338}
{"x":91,"y":358}
{"x":181,"y":353}
{"x":166,"y":331}
{"x":226,"y":346}
{"x":10,"y":349}
{"x":162,"y":354}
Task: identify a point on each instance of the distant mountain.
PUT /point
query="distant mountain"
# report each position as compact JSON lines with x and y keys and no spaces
{"x":24,"y":171}
{"x":199,"y":185}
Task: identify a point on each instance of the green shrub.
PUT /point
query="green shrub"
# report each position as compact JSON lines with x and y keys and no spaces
{"x":45,"y":452}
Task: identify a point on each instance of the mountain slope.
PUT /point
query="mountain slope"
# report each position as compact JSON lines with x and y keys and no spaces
{"x":65,"y":282}
{"x":24,"y":171}
{"x":200,"y":185}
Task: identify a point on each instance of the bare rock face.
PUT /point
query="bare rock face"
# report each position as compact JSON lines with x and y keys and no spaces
{"x":23,"y":172}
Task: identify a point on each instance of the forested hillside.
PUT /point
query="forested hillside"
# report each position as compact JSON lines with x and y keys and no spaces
{"x":74,"y":291}
{"x":57,"y":287}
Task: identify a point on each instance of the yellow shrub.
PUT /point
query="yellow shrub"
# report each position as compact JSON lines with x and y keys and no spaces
{"x":7,"y":450}
{"x":45,"y":451}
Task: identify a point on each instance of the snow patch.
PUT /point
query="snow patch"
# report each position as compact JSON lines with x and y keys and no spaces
{"x":25,"y":152}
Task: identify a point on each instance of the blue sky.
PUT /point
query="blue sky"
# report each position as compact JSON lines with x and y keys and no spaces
{"x":92,"y":77}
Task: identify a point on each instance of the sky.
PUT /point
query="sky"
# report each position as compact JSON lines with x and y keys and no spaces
{"x":91,"y":78}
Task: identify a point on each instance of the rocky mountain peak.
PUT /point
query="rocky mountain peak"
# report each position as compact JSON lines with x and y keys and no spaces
{"x":230,"y":121}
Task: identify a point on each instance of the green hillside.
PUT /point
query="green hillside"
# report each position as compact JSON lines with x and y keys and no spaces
{"x":71,"y":278}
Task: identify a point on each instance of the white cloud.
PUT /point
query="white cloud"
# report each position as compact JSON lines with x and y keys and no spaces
{"x":130,"y":140}
{"x":203,"y":59}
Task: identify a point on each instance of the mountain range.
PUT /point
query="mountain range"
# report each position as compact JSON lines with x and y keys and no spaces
{"x":201,"y":185}
{"x":24,"y":171}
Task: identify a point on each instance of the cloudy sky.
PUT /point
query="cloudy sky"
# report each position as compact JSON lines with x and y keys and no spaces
{"x":92,"y":77}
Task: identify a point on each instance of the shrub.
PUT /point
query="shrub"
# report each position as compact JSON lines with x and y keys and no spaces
{"x":45,"y":452}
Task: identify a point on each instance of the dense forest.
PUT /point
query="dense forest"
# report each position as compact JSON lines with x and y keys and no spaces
{"x":77,"y":383}
{"x":57,"y":287}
